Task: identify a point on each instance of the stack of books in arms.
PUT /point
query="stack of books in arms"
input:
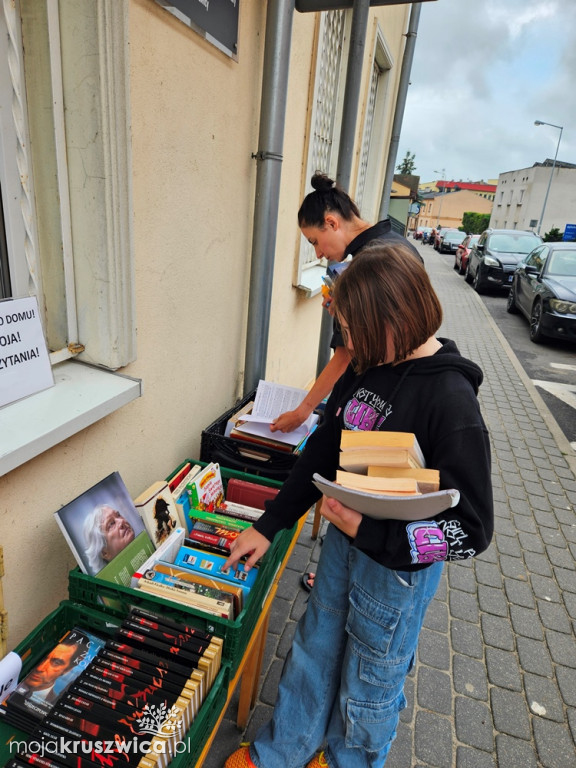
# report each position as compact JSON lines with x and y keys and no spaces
{"x":384,"y":475}
{"x":137,"y":690}
{"x":385,"y":462}
{"x":189,"y":567}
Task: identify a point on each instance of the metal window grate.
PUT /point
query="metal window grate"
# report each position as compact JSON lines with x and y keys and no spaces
{"x":322,"y":155}
{"x":368,"y":128}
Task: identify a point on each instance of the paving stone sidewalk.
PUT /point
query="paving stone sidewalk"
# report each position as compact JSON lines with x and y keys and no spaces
{"x":495,"y":681}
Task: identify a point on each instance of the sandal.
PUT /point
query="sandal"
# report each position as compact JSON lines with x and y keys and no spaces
{"x":306,"y":579}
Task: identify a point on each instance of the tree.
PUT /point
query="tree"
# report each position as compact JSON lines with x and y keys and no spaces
{"x":553,"y":236}
{"x":475,"y":223}
{"x":407,"y":166}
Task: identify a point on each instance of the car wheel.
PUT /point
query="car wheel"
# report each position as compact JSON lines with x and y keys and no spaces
{"x":536,"y":334}
{"x":477,"y":283}
{"x":511,"y":301}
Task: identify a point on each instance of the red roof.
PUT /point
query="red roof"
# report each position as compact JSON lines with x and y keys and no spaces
{"x":466,"y":185}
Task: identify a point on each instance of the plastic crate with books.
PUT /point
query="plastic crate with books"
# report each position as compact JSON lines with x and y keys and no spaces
{"x":235,"y":633}
{"x":57,"y":732}
{"x":241,"y":438}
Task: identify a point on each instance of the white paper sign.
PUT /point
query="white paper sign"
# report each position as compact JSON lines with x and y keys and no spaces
{"x":10,"y":667}
{"x":24,"y":361}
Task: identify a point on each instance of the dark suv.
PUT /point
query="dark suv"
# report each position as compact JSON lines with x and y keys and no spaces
{"x":494,"y":257}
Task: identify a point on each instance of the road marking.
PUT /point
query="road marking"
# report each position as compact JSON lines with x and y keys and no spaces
{"x":563,"y":366}
{"x":564,"y":392}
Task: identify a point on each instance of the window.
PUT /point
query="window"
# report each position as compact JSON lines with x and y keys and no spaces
{"x":367,"y":189}
{"x":324,"y":125}
{"x":67,"y":231}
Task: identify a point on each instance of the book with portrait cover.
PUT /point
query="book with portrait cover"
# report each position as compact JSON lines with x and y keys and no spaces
{"x":105,"y":532}
{"x":36,"y":694}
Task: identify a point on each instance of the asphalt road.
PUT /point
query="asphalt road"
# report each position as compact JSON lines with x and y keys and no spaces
{"x":551,"y":366}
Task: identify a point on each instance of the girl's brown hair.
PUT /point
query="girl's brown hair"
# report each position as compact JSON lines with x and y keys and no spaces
{"x":385,"y":295}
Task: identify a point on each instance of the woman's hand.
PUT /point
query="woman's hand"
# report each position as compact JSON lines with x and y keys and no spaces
{"x":344,"y":518}
{"x":250,"y":542}
{"x":291,"y":420}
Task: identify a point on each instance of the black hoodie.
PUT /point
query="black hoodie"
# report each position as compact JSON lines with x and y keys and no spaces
{"x":435,"y":398}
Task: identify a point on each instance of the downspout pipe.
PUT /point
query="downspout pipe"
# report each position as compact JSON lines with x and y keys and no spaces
{"x":361,"y":9}
{"x":400,"y":106}
{"x":269,"y":165}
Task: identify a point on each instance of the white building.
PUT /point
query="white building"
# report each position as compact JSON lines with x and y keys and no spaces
{"x":520,"y":197}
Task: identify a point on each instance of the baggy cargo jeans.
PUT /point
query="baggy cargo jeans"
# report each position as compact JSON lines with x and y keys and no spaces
{"x":342,"y":687}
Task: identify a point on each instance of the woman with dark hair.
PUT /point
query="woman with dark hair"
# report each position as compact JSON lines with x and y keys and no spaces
{"x":341,"y":689}
{"x":331,"y":222}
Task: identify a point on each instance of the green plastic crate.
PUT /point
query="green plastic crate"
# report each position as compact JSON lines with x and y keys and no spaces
{"x":89,"y":590}
{"x":70,"y":614}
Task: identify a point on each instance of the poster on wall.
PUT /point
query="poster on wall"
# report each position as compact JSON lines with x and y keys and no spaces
{"x":24,"y":360}
{"x":215,"y":20}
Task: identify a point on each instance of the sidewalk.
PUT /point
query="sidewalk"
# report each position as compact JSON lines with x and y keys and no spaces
{"x":495,"y":682}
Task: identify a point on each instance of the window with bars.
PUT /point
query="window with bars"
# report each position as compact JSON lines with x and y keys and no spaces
{"x":325,"y":123}
{"x":369,"y":186}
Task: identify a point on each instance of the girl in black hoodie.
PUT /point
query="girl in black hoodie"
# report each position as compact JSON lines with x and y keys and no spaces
{"x":342,"y":685}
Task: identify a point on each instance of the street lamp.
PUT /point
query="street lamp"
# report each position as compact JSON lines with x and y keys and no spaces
{"x":443,"y":172}
{"x":560,"y":128}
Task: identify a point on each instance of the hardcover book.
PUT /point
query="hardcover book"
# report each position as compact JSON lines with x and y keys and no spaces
{"x":206,"y":488}
{"x":249,"y":493}
{"x":157,"y":509}
{"x":102,"y":524}
{"x":166,"y":551}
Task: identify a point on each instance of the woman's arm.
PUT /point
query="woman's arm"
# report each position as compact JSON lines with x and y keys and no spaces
{"x":322,"y":387}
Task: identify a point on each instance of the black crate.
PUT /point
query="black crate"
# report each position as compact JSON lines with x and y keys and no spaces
{"x":235,"y":454}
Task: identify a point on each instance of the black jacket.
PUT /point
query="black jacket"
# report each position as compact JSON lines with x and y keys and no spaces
{"x":380,"y":231}
{"x":435,"y":398}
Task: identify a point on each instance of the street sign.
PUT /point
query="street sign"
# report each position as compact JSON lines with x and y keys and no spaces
{"x":569,"y":232}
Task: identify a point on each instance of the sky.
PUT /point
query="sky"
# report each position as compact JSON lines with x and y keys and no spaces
{"x":483,"y":72}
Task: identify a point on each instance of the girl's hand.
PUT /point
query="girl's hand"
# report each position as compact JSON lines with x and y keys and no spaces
{"x":250,"y":542}
{"x":344,"y":518}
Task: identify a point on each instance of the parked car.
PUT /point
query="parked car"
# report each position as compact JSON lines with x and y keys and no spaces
{"x":493,"y":259}
{"x":440,"y":233}
{"x":451,"y":241}
{"x":462,"y":252}
{"x":544,"y":290}
{"x":421,"y":233}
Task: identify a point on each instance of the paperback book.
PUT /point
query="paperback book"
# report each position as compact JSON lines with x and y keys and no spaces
{"x":105,"y":532}
{"x":37,"y":693}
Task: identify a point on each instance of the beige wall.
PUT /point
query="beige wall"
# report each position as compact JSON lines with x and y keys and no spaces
{"x":194,"y":118}
{"x":449,"y":208}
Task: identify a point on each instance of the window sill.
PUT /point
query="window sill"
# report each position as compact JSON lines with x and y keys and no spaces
{"x":81,"y":395}
{"x":311,"y":280}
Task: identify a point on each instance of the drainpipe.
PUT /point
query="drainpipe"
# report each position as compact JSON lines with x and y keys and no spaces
{"x":269,"y":165}
{"x":347,"y":136}
{"x":400,"y":106}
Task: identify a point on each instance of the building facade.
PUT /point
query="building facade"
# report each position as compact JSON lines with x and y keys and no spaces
{"x":446,"y":209}
{"x":521,"y":195}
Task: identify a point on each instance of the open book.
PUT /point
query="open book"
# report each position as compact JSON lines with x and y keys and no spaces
{"x":270,"y":401}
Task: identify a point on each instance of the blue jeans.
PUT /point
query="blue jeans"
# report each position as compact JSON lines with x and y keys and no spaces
{"x":342,"y":686}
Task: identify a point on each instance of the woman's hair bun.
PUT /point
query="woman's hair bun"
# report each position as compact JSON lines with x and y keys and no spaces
{"x":322,"y":183}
